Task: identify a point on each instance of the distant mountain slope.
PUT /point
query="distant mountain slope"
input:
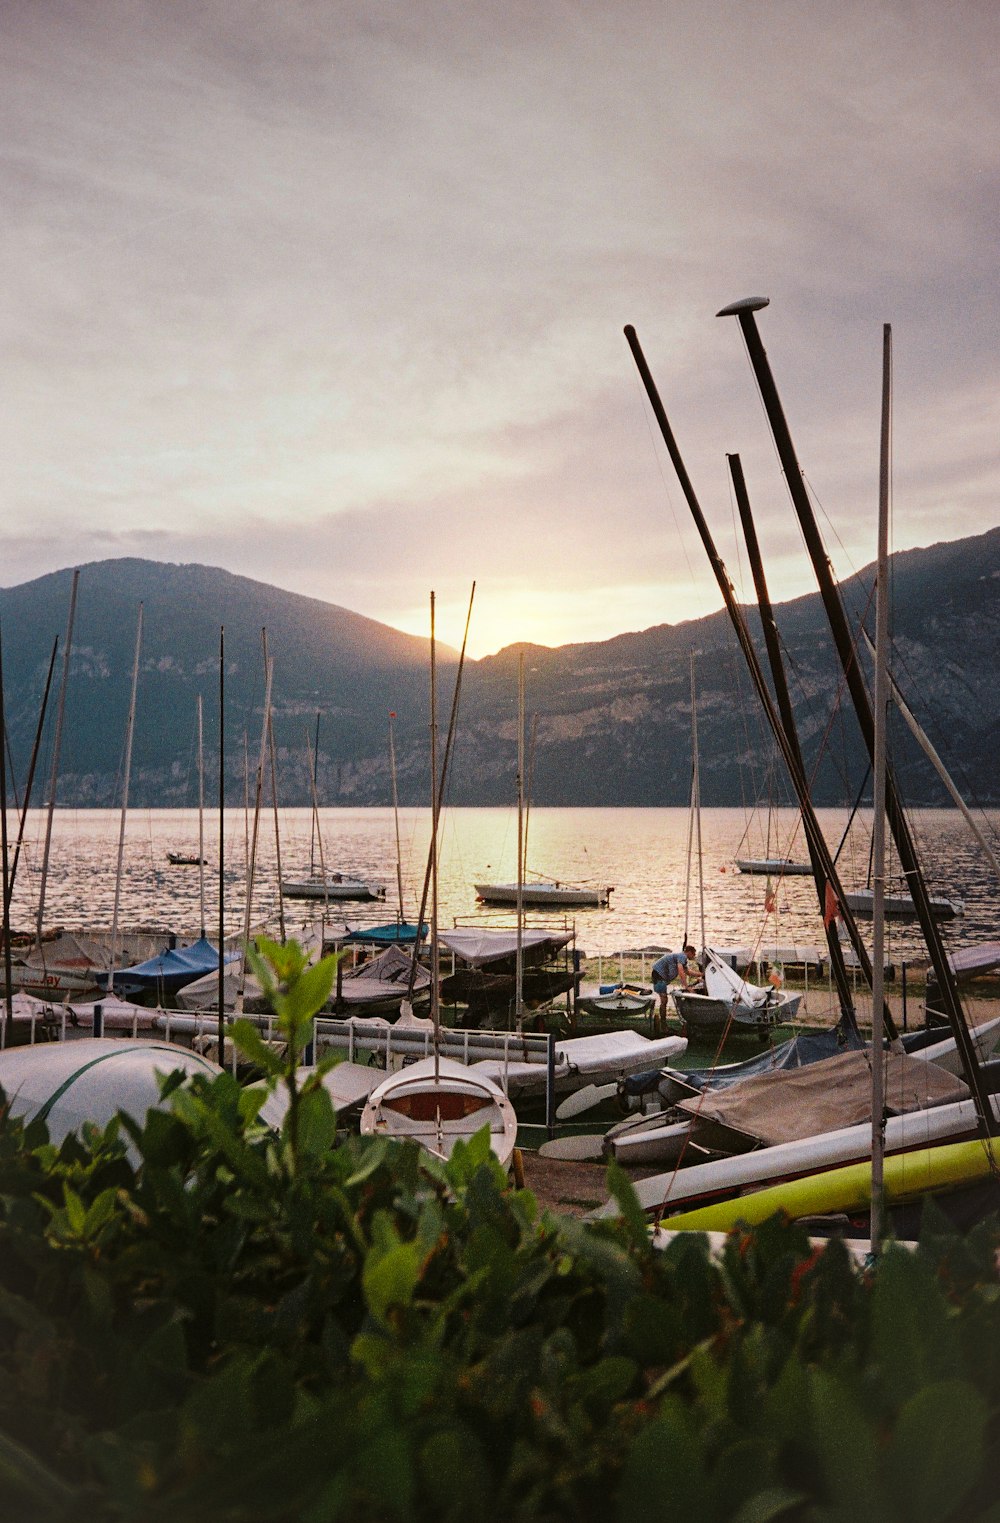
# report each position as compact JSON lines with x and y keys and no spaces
{"x":613,"y":716}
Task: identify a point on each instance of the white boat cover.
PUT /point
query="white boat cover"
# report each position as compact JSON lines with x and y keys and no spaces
{"x":69,"y":951}
{"x":480,"y":947}
{"x":68,"y":1083}
{"x":384,"y":977}
{"x":793,"y":1103}
{"x":348,"y":1085}
{"x":970,"y":960}
{"x":117,"y":1014}
{"x":582,"y":1059}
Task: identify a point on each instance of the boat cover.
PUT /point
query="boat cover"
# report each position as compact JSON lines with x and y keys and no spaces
{"x":611,"y":1053}
{"x":822,"y":1097}
{"x":384,"y":977}
{"x":73,"y":953}
{"x":480,"y":947}
{"x":179,"y":965}
{"x":798,"y":1052}
{"x":66,"y":1084}
{"x":388,"y":935}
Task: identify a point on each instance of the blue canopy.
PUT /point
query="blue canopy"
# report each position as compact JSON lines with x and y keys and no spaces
{"x":171,"y":970}
{"x":388,"y":935}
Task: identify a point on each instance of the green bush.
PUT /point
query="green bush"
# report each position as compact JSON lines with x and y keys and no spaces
{"x":249,"y":1327}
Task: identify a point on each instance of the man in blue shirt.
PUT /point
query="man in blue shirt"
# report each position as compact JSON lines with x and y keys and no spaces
{"x":668,"y":967}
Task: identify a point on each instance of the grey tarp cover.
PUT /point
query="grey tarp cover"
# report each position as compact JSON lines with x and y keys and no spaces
{"x":478,"y":948}
{"x":836,"y":1092}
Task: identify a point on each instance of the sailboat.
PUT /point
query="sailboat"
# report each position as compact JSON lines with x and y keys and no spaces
{"x":731,"y":1001}
{"x":438,"y":1102}
{"x":324,"y":886}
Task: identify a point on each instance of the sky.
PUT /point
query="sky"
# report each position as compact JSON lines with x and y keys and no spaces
{"x":332,"y":295}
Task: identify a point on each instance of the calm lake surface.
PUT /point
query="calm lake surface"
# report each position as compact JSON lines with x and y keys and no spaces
{"x":642,"y":852}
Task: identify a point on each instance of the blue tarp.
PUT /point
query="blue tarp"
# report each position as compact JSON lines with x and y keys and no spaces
{"x":388,"y":935}
{"x":798,"y":1052}
{"x":171,"y":970}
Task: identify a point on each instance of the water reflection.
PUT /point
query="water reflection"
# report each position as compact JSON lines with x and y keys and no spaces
{"x":642,"y":852}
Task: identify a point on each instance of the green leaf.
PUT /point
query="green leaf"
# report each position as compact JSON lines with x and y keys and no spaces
{"x":773,"y":1502}
{"x":663,"y":1479}
{"x":317,"y":1122}
{"x":937,"y":1451}
{"x":390,"y":1279}
{"x":250,"y":1042}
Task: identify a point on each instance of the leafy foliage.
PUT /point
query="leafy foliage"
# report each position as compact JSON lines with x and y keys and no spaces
{"x":246,"y":1326}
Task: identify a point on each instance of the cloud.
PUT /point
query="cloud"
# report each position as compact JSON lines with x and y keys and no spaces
{"x":335,"y":297}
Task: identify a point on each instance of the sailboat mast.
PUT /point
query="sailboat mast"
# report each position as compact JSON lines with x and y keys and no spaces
{"x":129,"y":732}
{"x":395,"y":813}
{"x":452,"y":725}
{"x":222,"y":842}
{"x":435,"y":805}
{"x":60,"y":712}
{"x":8,"y":1019}
{"x":314,"y":829}
{"x":818,"y":855}
{"x":258,"y":795}
{"x":789,"y":754}
{"x":696,"y":800}
{"x":201,"y":820}
{"x":880,"y":716}
{"x":274,"y":806}
{"x":519,"y":955}
{"x":898,"y":823}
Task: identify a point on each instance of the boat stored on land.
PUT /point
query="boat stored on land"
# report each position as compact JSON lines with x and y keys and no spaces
{"x":730,"y":1002}
{"x":438,"y":1102}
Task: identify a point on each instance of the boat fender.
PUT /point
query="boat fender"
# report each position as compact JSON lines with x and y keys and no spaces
{"x":517,"y":1167}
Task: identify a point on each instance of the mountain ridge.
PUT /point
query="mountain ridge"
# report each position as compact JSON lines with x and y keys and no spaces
{"x":613,"y":716}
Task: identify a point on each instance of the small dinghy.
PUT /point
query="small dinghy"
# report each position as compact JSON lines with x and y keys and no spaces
{"x":438,"y":1102}
{"x":731,"y":1003}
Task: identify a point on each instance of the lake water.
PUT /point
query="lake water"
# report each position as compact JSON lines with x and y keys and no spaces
{"x":642,"y":852}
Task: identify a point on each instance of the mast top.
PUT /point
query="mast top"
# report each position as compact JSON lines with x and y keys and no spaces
{"x":746,"y":304}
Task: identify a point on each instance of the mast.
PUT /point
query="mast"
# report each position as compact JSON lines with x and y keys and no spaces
{"x":201,"y":820}
{"x":898,"y":823}
{"x":129,"y":732}
{"x":878,"y":798}
{"x":930,"y":751}
{"x":738,"y":619}
{"x":395,"y":814}
{"x":435,"y":805}
{"x":318,"y":836}
{"x":314,"y":830}
{"x":57,"y":744}
{"x":274,"y":806}
{"x":452,"y":723}
{"x":258,"y":795}
{"x":696,"y":800}
{"x":22,"y":822}
{"x":8,"y":1019}
{"x":222,"y":843}
{"x":787,"y":713}
{"x":519,"y":953}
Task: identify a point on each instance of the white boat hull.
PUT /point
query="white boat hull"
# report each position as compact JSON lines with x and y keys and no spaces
{"x":437,"y":1103}
{"x":331,"y":889}
{"x":544,"y":895}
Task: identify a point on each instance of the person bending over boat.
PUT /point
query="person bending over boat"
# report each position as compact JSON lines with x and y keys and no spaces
{"x":668,"y":967}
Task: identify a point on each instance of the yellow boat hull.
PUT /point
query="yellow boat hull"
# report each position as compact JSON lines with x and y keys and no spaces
{"x":848,"y":1188}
